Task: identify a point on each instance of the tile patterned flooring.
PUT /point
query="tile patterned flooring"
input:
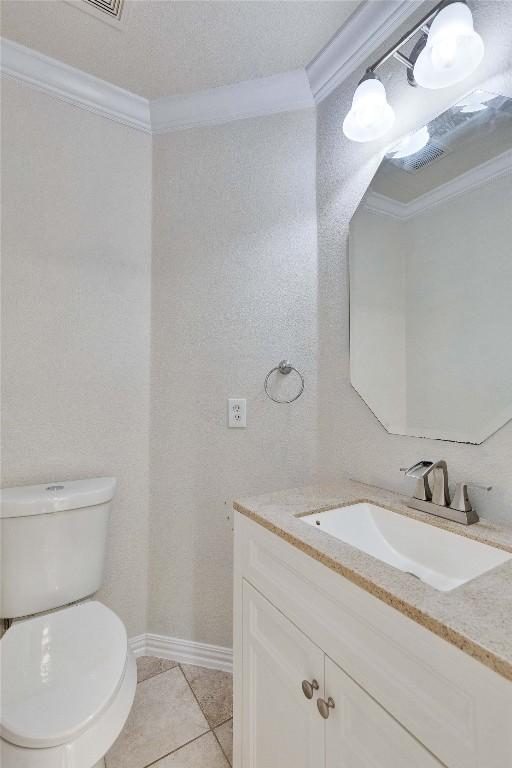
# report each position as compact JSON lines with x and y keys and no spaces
{"x":181,"y":718}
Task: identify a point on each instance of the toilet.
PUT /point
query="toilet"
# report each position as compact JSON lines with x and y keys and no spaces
{"x":68,"y":677}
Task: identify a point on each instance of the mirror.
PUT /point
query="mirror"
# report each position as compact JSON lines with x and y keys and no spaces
{"x":430,"y":251}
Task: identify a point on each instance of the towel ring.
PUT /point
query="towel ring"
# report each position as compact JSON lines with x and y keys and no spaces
{"x":285,"y":368}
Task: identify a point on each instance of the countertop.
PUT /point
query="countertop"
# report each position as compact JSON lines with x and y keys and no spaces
{"x":475,"y":617}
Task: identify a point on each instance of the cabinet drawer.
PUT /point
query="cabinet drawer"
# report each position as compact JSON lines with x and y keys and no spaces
{"x":460,"y":710}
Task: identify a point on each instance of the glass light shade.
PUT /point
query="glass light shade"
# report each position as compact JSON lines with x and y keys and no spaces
{"x":370,"y":115}
{"x":410,"y":144}
{"x":453,"y":50}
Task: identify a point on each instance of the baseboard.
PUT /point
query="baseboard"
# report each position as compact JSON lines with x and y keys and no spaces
{"x":137,"y":645}
{"x":183,"y":651}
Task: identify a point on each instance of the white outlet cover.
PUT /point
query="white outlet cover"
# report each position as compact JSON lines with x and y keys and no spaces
{"x":237,"y":412}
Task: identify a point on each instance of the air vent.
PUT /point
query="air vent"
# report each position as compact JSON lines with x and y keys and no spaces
{"x":414,"y":163}
{"x":113,"y":8}
{"x":111,"y":12}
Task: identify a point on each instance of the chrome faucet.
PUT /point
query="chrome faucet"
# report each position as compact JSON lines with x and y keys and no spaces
{"x":436,"y":501}
{"x":440,"y":494}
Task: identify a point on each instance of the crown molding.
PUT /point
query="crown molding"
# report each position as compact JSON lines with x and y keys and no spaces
{"x":74,"y":86}
{"x":285,"y":92}
{"x":388,"y":206}
{"x":368,"y":27}
{"x":493,"y":169}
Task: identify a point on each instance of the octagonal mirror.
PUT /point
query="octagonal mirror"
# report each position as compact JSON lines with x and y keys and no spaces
{"x":430,"y":251}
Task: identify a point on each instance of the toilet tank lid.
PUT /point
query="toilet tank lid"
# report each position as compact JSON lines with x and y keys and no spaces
{"x":55,"y":496}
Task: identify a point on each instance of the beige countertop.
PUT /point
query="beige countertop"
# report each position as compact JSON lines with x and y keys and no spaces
{"x":476,"y":617}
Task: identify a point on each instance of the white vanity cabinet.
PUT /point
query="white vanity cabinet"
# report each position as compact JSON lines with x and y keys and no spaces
{"x":403,"y":697}
{"x":282,"y":727}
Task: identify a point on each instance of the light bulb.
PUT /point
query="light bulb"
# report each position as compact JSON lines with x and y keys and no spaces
{"x":370,"y":115}
{"x":410,"y":144}
{"x":444,"y":52}
{"x":453,"y":49}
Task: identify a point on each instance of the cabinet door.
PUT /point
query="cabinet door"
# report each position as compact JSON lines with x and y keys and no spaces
{"x":281,"y":728}
{"x":360,"y":734}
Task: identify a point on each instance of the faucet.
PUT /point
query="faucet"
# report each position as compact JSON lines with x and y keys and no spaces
{"x":440,"y":494}
{"x":437,"y":501}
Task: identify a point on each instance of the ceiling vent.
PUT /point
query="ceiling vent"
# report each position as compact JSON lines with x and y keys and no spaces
{"x":113,"y":8}
{"x":414,"y":163}
{"x":112,"y":12}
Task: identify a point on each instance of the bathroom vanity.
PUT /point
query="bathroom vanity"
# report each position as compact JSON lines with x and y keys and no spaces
{"x":342,"y":659}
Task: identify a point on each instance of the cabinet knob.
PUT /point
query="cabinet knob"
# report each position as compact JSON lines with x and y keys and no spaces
{"x":325,"y":706}
{"x":308,"y":688}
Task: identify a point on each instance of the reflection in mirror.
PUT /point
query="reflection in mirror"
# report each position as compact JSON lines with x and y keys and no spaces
{"x":431,"y":278}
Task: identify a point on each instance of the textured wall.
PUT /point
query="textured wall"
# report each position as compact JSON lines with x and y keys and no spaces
{"x":76,"y":315}
{"x":234,"y":291}
{"x":354,"y":444}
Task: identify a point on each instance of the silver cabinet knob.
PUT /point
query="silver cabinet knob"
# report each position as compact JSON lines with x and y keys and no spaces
{"x":308,"y":688}
{"x":325,"y":706}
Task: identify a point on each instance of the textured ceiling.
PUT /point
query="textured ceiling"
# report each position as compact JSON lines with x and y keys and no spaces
{"x":169,"y":47}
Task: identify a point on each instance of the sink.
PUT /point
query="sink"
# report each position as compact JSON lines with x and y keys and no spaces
{"x":442,"y":559}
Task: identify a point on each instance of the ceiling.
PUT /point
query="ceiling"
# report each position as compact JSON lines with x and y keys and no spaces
{"x":170,"y":47}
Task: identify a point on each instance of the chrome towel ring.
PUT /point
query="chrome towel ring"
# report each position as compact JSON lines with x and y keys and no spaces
{"x":285,"y":368}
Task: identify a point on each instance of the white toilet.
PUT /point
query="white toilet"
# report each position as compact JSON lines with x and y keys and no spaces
{"x":68,"y":677}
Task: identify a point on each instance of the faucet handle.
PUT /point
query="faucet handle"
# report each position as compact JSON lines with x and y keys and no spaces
{"x":419,"y":472}
{"x":461,"y":499}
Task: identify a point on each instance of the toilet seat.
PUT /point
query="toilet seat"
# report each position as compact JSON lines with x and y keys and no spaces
{"x":60,"y":672}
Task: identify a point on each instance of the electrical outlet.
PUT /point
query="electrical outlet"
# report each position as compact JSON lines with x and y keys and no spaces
{"x":237,"y":412}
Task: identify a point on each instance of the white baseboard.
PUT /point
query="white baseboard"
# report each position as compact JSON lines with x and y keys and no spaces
{"x":137,"y":645}
{"x":182,"y":651}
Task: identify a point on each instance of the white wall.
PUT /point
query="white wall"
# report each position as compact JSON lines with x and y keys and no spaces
{"x":353,"y":443}
{"x":234,"y":281}
{"x":234,"y":291}
{"x":76,"y":192}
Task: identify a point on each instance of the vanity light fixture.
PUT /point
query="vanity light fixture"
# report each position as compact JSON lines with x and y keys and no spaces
{"x":447,"y":51}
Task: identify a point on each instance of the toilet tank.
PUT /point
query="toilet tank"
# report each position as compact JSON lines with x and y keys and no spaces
{"x":52,"y":538}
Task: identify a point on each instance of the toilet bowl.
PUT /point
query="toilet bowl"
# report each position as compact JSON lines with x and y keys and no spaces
{"x":68,"y":682}
{"x":68,"y":677}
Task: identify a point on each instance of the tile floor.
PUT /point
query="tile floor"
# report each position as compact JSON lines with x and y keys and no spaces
{"x":181,"y":718}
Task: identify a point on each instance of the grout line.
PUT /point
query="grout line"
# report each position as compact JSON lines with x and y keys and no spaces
{"x":218,"y":741}
{"x":159,"y":673}
{"x":148,"y":765}
{"x":223,"y":722}
{"x":195,"y":697}
{"x":211,"y":728}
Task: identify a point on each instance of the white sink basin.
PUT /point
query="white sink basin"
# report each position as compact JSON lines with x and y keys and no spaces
{"x":442,"y":559}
